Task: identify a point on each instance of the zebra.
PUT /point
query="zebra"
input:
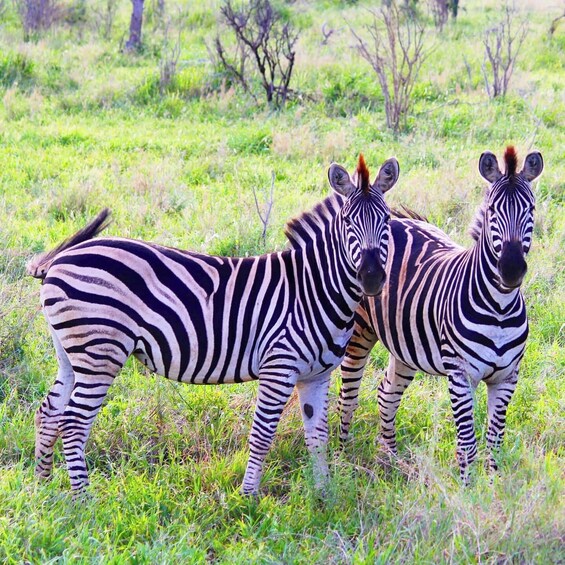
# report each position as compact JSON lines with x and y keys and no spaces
{"x":450,"y":311}
{"x":282,"y":318}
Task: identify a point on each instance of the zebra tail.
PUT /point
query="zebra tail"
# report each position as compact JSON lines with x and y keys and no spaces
{"x":39,"y":265}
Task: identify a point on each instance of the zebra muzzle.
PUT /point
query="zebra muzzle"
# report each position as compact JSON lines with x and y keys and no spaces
{"x":512,"y":265}
{"x":371,"y":274}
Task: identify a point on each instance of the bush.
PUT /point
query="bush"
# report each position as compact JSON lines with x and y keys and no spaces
{"x":16,"y":68}
{"x":262,"y":38}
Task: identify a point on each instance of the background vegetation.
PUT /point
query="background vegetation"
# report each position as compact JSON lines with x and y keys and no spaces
{"x":84,"y":125}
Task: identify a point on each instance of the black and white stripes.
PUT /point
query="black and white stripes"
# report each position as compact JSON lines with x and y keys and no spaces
{"x":282,"y":318}
{"x":454,"y":312}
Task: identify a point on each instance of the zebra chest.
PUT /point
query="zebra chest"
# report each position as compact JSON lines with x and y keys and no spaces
{"x":494,"y":355}
{"x":319,"y":354}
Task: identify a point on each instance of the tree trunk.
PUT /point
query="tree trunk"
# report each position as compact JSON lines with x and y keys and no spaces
{"x":134,"y":40}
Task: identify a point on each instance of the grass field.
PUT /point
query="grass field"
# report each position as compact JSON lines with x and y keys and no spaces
{"x":83,"y":126}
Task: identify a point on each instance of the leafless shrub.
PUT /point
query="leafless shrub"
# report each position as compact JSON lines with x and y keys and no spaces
{"x":170,"y":55}
{"x":157,"y":14}
{"x":264,"y":212}
{"x":502,"y":45}
{"x":261,"y":37}
{"x":104,"y":17}
{"x":3,"y":8}
{"x":327,"y":32}
{"x":37,"y":15}
{"x":396,"y":52}
{"x":440,"y":12}
{"x":552,"y":27}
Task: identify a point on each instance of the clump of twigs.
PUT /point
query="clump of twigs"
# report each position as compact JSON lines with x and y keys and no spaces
{"x":264,"y":46}
{"x":170,"y":56}
{"x":555,"y":24}
{"x":3,"y":8}
{"x":104,"y":17}
{"x":502,"y":46}
{"x":264,"y":212}
{"x":37,"y":15}
{"x":395,"y":50}
{"x":440,"y":12}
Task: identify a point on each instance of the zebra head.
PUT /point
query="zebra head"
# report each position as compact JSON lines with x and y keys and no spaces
{"x":509,"y":212}
{"x":363,"y":220}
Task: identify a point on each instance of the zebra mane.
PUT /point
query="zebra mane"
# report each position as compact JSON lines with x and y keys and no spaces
{"x":363,"y":175}
{"x":304,"y":229}
{"x":511,"y":161}
{"x":408,"y":213}
{"x":477,"y":222}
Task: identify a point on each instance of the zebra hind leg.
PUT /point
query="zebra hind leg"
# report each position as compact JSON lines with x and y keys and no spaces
{"x":313,"y":395}
{"x":352,"y":369}
{"x":274,"y":391}
{"x":49,"y":413}
{"x":397,"y":379}
{"x":95,"y":369}
{"x":499,"y":396}
{"x":461,"y":395}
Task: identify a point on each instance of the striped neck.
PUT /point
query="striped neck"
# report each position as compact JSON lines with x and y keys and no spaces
{"x":486,"y":277}
{"x":338,"y":275}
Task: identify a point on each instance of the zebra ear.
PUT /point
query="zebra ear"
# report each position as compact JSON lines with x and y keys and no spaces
{"x":388,"y":175}
{"x":533,"y":166}
{"x":340,"y":180}
{"x":488,"y":167}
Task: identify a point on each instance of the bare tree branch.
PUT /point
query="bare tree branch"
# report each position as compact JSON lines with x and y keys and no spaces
{"x":395,"y":50}
{"x":502,"y":46}
{"x":262,"y":37}
{"x":265,"y":215}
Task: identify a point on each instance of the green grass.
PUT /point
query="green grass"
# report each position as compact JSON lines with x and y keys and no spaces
{"x":83,"y":126}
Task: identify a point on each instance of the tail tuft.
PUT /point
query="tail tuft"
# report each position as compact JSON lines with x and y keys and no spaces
{"x":39,"y":265}
{"x":407,"y":213}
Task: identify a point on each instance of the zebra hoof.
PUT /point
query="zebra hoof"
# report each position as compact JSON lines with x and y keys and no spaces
{"x":81,"y":495}
{"x":251,"y":494}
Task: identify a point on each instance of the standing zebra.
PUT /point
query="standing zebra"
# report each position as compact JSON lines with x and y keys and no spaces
{"x":451,"y":311}
{"x":283,"y":318}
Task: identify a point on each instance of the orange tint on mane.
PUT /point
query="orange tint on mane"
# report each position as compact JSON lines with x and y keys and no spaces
{"x":511,"y":160}
{"x":362,"y":175}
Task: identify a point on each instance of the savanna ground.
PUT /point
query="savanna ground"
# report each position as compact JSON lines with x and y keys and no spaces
{"x":84,"y":126}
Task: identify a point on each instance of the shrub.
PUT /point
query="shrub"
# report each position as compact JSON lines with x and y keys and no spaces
{"x":395,"y":50}
{"x":16,"y":68}
{"x":262,"y":38}
{"x":37,"y":15}
{"x":502,"y":45}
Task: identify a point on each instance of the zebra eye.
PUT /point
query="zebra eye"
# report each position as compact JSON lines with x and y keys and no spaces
{"x":347,"y":220}
{"x":532,"y":208}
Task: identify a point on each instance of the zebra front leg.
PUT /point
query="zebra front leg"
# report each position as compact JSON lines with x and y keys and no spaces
{"x":49,"y":413}
{"x":461,"y":395}
{"x":352,"y":369}
{"x":274,"y":392}
{"x":313,"y":395}
{"x":397,"y":379}
{"x":499,"y":396}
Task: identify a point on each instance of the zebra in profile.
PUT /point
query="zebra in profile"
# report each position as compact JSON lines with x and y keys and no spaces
{"x":451,"y":311}
{"x":283,"y":319}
